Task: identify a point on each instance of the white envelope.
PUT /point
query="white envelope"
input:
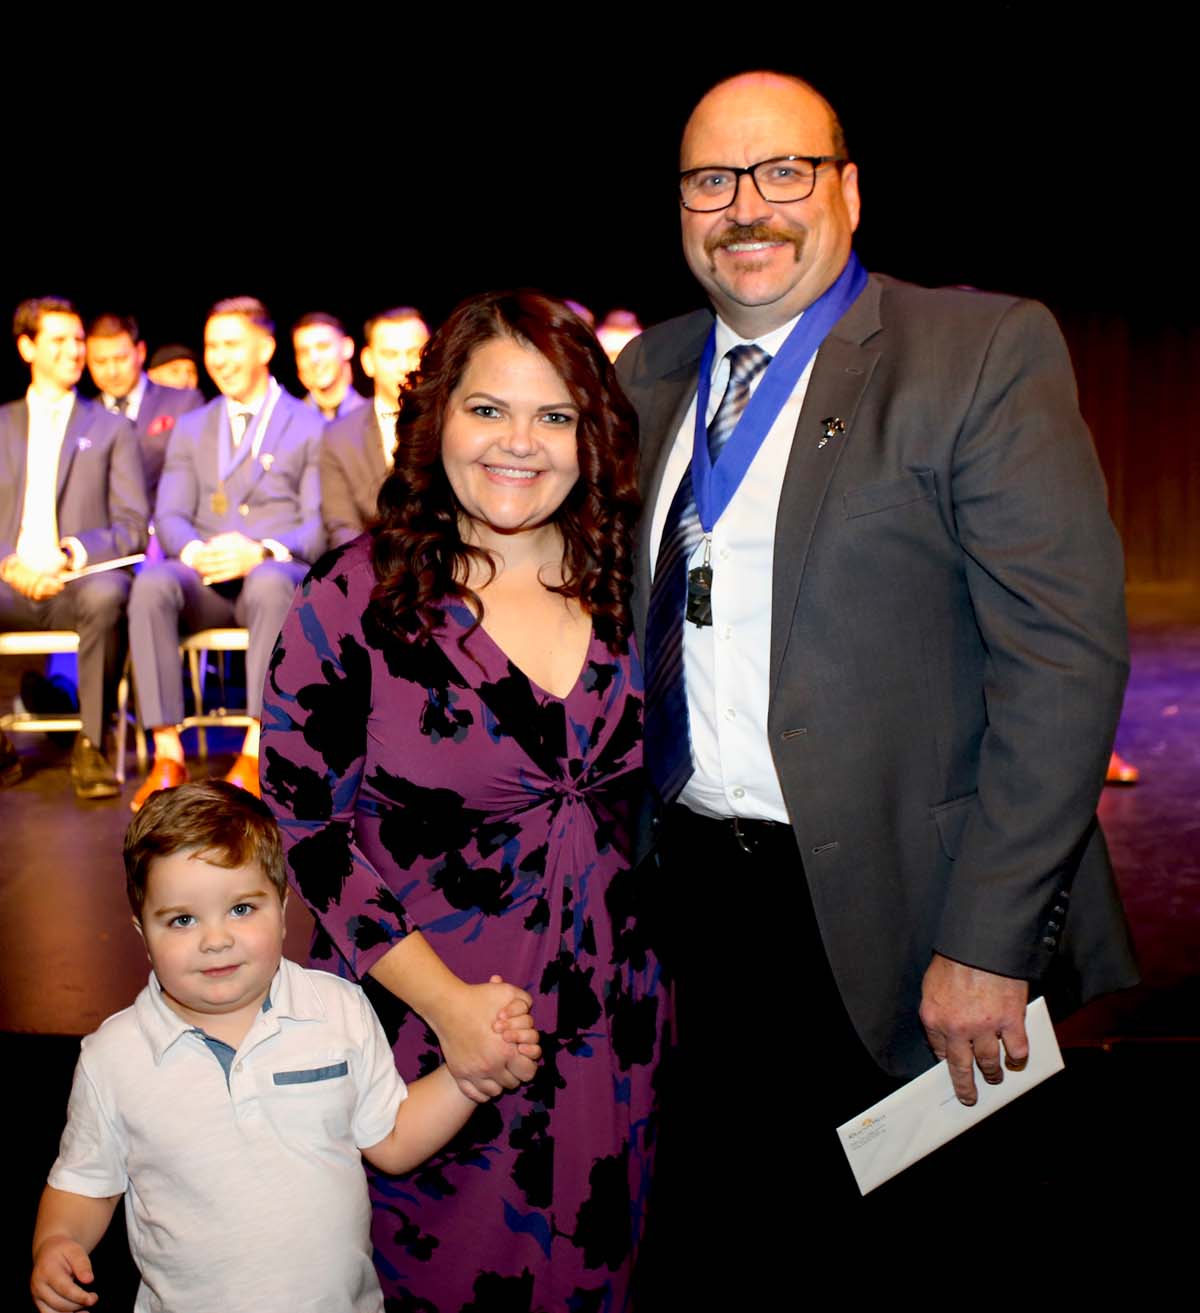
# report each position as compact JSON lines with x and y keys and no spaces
{"x":922,"y":1115}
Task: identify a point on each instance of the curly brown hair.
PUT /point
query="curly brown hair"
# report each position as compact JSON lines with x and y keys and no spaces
{"x":420,"y":558}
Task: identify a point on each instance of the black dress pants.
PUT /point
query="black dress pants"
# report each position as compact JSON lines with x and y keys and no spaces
{"x":750,"y":1173}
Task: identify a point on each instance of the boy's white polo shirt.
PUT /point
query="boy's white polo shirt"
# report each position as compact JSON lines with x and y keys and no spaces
{"x":250,"y":1196}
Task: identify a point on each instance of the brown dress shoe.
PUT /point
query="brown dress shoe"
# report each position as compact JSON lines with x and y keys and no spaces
{"x":164,"y":774}
{"x":244,"y":774}
{"x":1120,"y":771}
{"x":92,"y":776}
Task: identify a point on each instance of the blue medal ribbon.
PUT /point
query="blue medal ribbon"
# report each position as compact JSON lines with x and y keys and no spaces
{"x":714,"y":488}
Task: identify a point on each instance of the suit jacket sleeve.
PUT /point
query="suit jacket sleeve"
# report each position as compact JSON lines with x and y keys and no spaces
{"x":338,"y":507}
{"x":128,"y":512}
{"x":1046,"y":580}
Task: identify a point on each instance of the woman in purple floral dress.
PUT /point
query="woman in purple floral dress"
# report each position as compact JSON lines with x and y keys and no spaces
{"x":452,"y":745}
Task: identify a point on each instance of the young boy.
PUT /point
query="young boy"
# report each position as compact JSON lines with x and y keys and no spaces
{"x":231,"y":1103}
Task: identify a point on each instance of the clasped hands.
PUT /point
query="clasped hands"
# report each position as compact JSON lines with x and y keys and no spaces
{"x":35,"y":584}
{"x":487,"y":1037}
{"x":227,"y":556}
{"x":967,"y":1014}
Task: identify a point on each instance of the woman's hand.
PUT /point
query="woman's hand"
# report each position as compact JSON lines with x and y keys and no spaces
{"x":485,"y":1031}
{"x":473,"y":1023}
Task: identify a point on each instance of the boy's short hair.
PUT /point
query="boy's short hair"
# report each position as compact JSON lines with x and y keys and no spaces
{"x":218,"y":821}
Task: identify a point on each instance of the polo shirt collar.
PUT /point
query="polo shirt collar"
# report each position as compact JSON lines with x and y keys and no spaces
{"x":291,"y":995}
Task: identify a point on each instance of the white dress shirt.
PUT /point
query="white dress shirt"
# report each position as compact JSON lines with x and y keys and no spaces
{"x":727,"y":663}
{"x":37,"y":542}
{"x":385,"y":417}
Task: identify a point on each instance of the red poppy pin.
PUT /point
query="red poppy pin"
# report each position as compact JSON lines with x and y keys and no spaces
{"x":163,"y":424}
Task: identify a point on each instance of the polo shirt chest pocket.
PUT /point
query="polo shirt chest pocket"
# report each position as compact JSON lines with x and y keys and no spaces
{"x":311,"y":1101}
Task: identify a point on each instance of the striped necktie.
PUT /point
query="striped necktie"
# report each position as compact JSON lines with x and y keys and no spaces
{"x":668,"y":740}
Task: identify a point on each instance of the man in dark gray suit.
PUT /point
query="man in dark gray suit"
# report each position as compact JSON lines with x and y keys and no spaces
{"x":879,"y":735}
{"x":71,"y":495}
{"x":356,"y":453}
{"x":239,"y":518}
{"x":116,"y":355}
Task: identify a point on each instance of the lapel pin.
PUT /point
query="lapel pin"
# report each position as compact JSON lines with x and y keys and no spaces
{"x":84,"y":444}
{"x":832,"y":426}
{"x":267,"y":460}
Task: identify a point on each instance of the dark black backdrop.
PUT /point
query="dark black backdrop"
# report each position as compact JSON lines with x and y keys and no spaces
{"x":361,"y":166}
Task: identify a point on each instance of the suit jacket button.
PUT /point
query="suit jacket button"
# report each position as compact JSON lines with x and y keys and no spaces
{"x":243,"y":510}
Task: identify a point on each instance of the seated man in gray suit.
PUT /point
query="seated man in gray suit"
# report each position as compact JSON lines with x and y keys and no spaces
{"x":115,"y":356}
{"x":239,"y":519}
{"x":356,"y":453}
{"x":71,"y":495}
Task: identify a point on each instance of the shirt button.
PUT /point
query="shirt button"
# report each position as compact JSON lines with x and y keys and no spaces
{"x":237,"y":1066}
{"x":727,"y":632}
{"x":739,"y":792}
{"x":730,"y":714}
{"x":724,"y":553}
{"x":243,"y":510}
{"x":1050,"y":942}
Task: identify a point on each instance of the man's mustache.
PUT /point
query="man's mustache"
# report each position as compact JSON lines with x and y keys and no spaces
{"x":754,"y":232}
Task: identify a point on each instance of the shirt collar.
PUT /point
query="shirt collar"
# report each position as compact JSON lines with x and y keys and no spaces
{"x":36,"y":401}
{"x":770,"y":342}
{"x":249,"y":407}
{"x":292,"y":995}
{"x":135,"y":395}
{"x":385,"y":412}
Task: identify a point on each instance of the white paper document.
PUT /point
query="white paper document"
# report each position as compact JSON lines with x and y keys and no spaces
{"x":922,"y":1115}
{"x":118,"y":563}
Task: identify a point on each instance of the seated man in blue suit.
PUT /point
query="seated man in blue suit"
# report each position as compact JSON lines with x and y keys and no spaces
{"x":116,"y":355}
{"x":71,"y":495}
{"x":238,"y":516}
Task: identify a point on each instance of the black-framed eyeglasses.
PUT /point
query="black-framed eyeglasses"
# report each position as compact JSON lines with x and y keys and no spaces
{"x":780,"y":180}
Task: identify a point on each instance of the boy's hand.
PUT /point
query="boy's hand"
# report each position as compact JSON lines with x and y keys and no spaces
{"x":58,"y":1266}
{"x":515,"y":1024}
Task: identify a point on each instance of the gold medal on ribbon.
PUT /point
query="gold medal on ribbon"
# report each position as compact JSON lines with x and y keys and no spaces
{"x":218,"y":501}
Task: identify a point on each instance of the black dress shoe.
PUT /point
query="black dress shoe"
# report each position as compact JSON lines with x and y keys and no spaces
{"x":10,"y":763}
{"x":92,"y":775}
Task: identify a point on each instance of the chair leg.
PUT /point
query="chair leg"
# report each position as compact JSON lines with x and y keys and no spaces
{"x":122,"y":721}
{"x":198,"y":700}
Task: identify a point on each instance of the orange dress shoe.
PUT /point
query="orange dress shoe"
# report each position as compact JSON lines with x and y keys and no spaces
{"x":245,"y":774}
{"x":1120,"y":771}
{"x":164,"y":774}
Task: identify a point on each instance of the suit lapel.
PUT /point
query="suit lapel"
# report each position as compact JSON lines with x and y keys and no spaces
{"x":15,"y":440}
{"x":251,"y":470}
{"x":372,"y":439}
{"x":75,"y":435}
{"x":840,"y":375}
{"x":208,"y":458}
{"x":148,"y":410}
